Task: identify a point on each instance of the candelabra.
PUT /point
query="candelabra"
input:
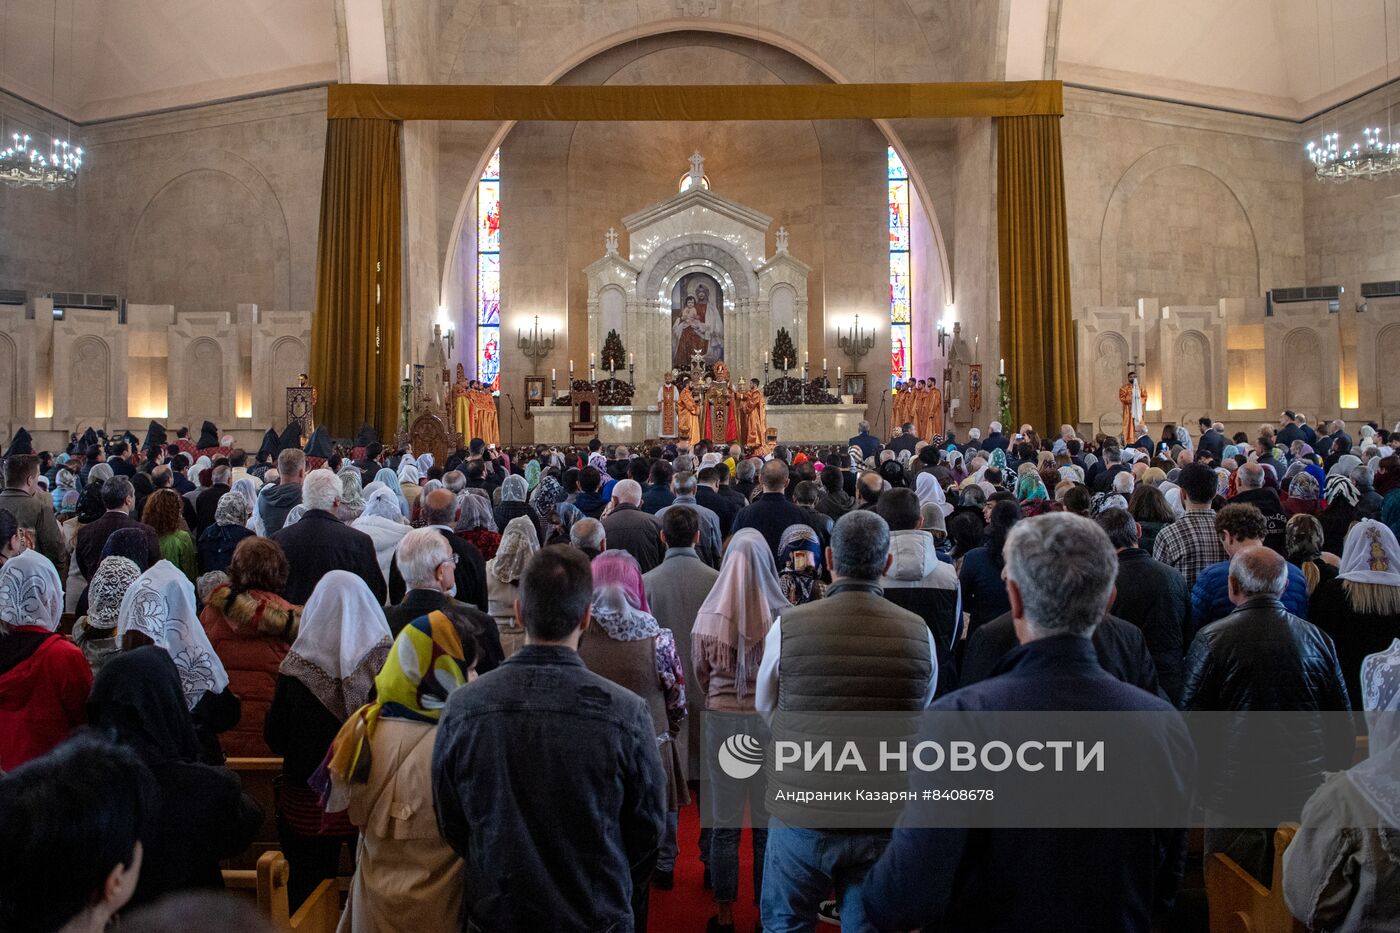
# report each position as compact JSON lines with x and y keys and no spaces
{"x":631,"y":371}
{"x":765,"y":370}
{"x":856,"y":344}
{"x":535,"y":346}
{"x":405,"y":402}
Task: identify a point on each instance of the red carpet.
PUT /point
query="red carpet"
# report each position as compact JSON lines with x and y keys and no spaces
{"x":687,"y":907}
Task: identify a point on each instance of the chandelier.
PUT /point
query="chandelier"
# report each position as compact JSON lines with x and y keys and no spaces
{"x":1372,"y":157}
{"x":23,"y":165}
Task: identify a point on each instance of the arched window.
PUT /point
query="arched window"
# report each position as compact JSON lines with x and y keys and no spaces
{"x":901,"y":349}
{"x":488,"y":275}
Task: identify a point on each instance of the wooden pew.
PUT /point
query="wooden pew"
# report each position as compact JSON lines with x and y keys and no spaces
{"x":1239,"y":903}
{"x":258,"y":775}
{"x":268,"y":883}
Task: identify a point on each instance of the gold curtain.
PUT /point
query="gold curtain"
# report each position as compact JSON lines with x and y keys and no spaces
{"x":355,"y":330}
{"x":1037,"y":333}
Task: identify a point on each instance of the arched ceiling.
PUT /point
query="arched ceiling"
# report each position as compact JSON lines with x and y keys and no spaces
{"x":1284,"y":58}
{"x":119,"y":57}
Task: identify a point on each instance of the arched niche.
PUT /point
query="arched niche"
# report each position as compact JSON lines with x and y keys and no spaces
{"x":1110,"y":359}
{"x":9,"y":381}
{"x":1387,"y":348}
{"x":1302,"y":378}
{"x":1193,"y":380}
{"x":89,"y":389}
{"x":204,"y":379}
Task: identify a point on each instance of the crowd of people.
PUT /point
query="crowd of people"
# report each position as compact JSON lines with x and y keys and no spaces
{"x":486,"y":678}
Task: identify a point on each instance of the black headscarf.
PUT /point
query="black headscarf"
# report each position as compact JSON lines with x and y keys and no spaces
{"x":89,"y":439}
{"x":143,"y":487}
{"x":21,"y":443}
{"x":136,"y":698}
{"x":318,"y":444}
{"x":269,"y":443}
{"x":366,"y":435}
{"x":208,"y":436}
{"x":155,"y":436}
{"x":892,"y":472}
{"x":130,"y":543}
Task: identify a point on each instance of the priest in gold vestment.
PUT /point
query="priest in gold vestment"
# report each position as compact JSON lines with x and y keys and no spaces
{"x":666,"y":404}
{"x":935,"y":400}
{"x":461,"y":405}
{"x":688,"y":418}
{"x":754,"y":409}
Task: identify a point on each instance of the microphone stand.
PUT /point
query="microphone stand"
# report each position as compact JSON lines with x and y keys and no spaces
{"x":512,"y":419}
{"x":880,"y":417}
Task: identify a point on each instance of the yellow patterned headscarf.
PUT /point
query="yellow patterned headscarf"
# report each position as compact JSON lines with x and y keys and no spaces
{"x":426,"y":663}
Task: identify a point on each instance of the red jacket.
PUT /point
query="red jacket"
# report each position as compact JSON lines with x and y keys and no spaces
{"x":43,"y":697}
{"x":251,"y":634}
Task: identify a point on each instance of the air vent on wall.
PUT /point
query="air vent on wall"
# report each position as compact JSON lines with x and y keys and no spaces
{"x":1380,"y":289}
{"x":1281,"y":296}
{"x":90,"y":301}
{"x":13,"y":296}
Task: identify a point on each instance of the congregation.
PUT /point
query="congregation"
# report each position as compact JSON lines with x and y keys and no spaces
{"x":486,"y":678}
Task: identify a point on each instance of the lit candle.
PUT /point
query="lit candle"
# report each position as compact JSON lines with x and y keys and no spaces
{"x":571,"y":367}
{"x":554,"y":375}
{"x":631,"y":359}
{"x":838,"y":375}
{"x":823,"y":364}
{"x":592,"y":358}
{"x":765,"y":357}
{"x":1003,"y":366}
{"x":806,"y":357}
{"x":407,"y":370}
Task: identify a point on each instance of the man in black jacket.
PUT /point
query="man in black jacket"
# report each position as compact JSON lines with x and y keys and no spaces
{"x":1152,"y":596}
{"x":438,"y":511}
{"x":771,"y":513}
{"x":320,"y":543}
{"x":627,"y":528}
{"x":1252,"y":491}
{"x":1212,"y":439}
{"x":1060,"y":570}
{"x":707,"y":494}
{"x":1260,"y":657}
{"x":657,"y":493}
{"x":427,"y":561}
{"x":1288,"y":430}
{"x":542,"y":748}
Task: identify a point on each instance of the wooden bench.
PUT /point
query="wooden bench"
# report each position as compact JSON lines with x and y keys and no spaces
{"x":1239,"y":903}
{"x":268,"y":883}
{"x":258,"y":775}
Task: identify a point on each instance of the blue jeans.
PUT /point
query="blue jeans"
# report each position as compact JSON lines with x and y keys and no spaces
{"x":727,"y":800}
{"x":804,"y":865}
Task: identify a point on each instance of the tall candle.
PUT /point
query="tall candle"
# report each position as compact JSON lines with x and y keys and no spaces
{"x":408,"y":370}
{"x":1003,"y":366}
{"x":554,"y":375}
{"x":838,"y":376}
{"x":631,"y":359}
{"x":765,"y":357}
{"x":823,"y":364}
{"x":571,"y":367}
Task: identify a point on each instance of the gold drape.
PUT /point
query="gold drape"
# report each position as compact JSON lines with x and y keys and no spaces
{"x":694,"y":102}
{"x":1037,"y":333}
{"x":355,"y":330}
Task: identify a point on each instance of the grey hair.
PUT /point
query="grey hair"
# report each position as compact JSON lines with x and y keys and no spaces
{"x":685,"y":463}
{"x":588,"y":532}
{"x":1120,"y":526}
{"x":1251,"y":476}
{"x":746,"y":470}
{"x":1361,"y":476}
{"x":1123,"y":483}
{"x":290,"y":462}
{"x":455,"y":480}
{"x":627,"y":492}
{"x":860,"y":544}
{"x":1061,"y":595}
{"x":1259,"y":571}
{"x":321,"y":489}
{"x":683,"y":484}
{"x":419,"y":554}
{"x":222,"y":473}
{"x":863,"y":427}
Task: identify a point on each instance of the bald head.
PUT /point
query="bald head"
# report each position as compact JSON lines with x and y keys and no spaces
{"x":775,"y":476}
{"x":870,"y":486}
{"x":1250,"y":476}
{"x":1257,"y":571}
{"x":439,"y":507}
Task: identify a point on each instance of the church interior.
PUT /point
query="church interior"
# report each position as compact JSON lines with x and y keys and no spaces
{"x":175,"y":277}
{"x":558,"y":249}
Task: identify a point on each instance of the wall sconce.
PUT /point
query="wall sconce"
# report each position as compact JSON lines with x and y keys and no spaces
{"x":856,"y":343}
{"x":450,"y":334}
{"x":535,"y":346}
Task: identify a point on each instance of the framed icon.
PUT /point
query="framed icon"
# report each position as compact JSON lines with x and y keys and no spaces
{"x":536,"y":391}
{"x":853,"y":384}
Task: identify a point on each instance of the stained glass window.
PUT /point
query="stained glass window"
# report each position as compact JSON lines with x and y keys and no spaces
{"x":488,"y":275}
{"x":901,"y":355}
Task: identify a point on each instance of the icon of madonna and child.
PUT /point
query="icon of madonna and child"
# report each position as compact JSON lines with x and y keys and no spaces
{"x":697,"y":320}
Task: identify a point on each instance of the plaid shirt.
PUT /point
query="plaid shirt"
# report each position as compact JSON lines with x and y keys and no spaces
{"x":1190,"y":544}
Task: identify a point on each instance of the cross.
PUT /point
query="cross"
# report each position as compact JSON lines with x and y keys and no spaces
{"x":610,"y":240}
{"x":1136,"y":366}
{"x":695,"y":7}
{"x":697,"y":169}
{"x":782,"y":239}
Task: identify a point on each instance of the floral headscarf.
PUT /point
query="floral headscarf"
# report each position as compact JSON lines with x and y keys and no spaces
{"x":532,"y":473}
{"x":113,"y":578}
{"x":547,"y":496}
{"x":161,"y":606}
{"x":519,"y":542}
{"x":800,"y":556}
{"x":998,"y":459}
{"x":231,"y":510}
{"x":1303,"y":487}
{"x":352,"y":495}
{"x":619,"y":598}
{"x":30,"y":593}
{"x":1029,"y":487}
{"x":425,"y":665}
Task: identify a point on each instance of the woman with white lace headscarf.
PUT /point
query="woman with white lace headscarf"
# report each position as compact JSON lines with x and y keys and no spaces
{"x":1343,"y":866}
{"x":384,"y":524}
{"x":352,"y":494}
{"x":519,"y":542}
{"x":44,"y":678}
{"x":159,"y":609}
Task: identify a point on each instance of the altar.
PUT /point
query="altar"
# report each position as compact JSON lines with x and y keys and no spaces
{"x":623,"y":424}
